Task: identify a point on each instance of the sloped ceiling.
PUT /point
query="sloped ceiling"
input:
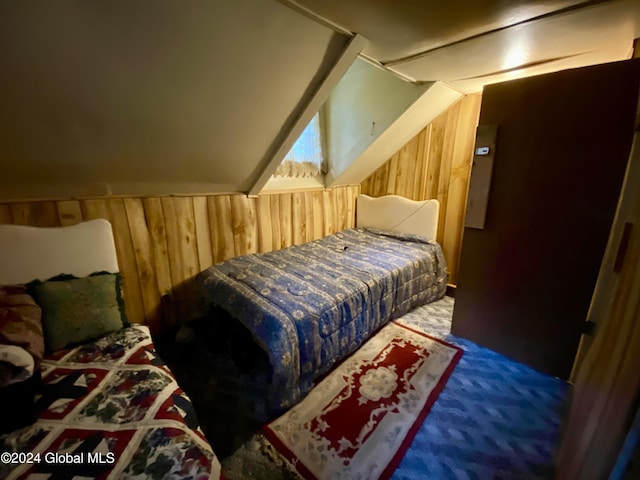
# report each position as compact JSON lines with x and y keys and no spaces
{"x":470,"y":43}
{"x":118,"y":97}
{"x":165,"y":96}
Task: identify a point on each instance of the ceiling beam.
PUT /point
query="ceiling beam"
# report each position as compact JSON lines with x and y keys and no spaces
{"x":308,"y":109}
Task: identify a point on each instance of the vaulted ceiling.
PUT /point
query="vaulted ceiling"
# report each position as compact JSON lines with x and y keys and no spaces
{"x":166,"y":96}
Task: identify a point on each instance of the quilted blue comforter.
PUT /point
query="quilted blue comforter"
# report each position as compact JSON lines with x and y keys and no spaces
{"x":311,"y":305}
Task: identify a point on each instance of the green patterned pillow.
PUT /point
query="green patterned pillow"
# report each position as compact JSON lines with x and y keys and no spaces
{"x":75,"y":310}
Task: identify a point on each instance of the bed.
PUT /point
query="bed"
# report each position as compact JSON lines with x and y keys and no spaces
{"x":104,"y":404}
{"x":309,"y":306}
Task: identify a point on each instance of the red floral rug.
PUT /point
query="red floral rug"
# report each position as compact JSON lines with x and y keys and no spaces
{"x":359,"y":421}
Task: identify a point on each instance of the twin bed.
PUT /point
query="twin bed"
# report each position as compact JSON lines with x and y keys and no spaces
{"x":311,"y":305}
{"x":308,"y":307}
{"x":106,"y":407}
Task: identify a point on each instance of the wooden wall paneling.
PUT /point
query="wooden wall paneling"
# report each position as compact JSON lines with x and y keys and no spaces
{"x":264,"y":220}
{"x":298,"y":218}
{"x":145,"y":262}
{"x":392,"y":174}
{"x":419,"y":176}
{"x":245,"y":232}
{"x":286,"y":227}
{"x":329,"y":212}
{"x":163,"y":242}
{"x":309,"y":216}
{"x":132,"y":293}
{"x":183,"y":254}
{"x":5,"y":214}
{"x":69,"y":212}
{"x":434,"y":164}
{"x":221,"y":227}
{"x":318,"y":214}
{"x":462,"y":157}
{"x":37,"y":214}
{"x":436,"y":143}
{"x":340,"y":208}
{"x":407,"y":166}
{"x":382,"y":181}
{"x":373,"y":183}
{"x":203,"y":234}
{"x":351,"y":196}
{"x":154,"y":218}
{"x":94,"y":208}
{"x":445,"y":172}
{"x":276,"y":234}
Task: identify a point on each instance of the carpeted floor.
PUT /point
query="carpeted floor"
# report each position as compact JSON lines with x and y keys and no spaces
{"x":495,"y":419}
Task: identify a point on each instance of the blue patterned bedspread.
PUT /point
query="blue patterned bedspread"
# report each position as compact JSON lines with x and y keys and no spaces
{"x":311,"y":305}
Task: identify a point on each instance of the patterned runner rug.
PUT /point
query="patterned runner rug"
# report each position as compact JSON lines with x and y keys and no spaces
{"x":359,"y":421}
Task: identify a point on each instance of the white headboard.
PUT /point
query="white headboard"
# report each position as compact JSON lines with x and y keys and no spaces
{"x":398,"y":214}
{"x":30,"y":253}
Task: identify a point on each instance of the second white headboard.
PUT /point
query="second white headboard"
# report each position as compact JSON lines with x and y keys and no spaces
{"x":398,"y":214}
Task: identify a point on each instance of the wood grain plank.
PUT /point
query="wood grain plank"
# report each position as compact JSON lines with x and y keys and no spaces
{"x":5,"y":214}
{"x":381,"y":182}
{"x":131,"y":291}
{"x":286,"y":225}
{"x":318,"y":214}
{"x":263,"y":217}
{"x":420,"y":177}
{"x":276,"y":233}
{"x":445,"y":173}
{"x":350,"y":200}
{"x":94,"y":208}
{"x":203,"y":234}
{"x":342,"y":207}
{"x":245,"y":235}
{"x":329,"y":211}
{"x":462,"y":157}
{"x":154,"y":217}
{"x":403,"y":171}
{"x":69,"y":212}
{"x":391,"y":175}
{"x":298,"y":218}
{"x":309,"y":216}
{"x":143,"y":254}
{"x":438,"y":127}
{"x":221,"y":228}
{"x":35,"y":214}
{"x":183,"y":255}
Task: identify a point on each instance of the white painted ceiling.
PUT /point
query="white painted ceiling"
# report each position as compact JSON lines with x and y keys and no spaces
{"x":151,"y":96}
{"x":182,"y":96}
{"x":469,"y":43}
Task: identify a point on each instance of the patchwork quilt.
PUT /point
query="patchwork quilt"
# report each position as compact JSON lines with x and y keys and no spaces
{"x":110,"y":409}
{"x":311,"y":305}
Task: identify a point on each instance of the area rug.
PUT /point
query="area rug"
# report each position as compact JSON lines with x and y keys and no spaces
{"x":359,"y":420}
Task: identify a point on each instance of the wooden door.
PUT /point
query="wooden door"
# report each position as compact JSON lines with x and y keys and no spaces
{"x":607,"y":380}
{"x":526,"y":279}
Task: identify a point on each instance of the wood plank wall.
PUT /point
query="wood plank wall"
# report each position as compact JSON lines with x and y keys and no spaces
{"x":436,"y":163}
{"x":163,"y":242}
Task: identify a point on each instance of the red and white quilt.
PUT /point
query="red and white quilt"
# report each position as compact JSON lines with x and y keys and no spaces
{"x":110,"y":409}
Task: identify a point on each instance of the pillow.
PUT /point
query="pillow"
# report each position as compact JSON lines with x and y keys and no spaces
{"x":20,"y":321}
{"x":75,"y":310}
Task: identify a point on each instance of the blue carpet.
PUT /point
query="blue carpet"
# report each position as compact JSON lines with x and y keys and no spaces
{"x":495,"y":418}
